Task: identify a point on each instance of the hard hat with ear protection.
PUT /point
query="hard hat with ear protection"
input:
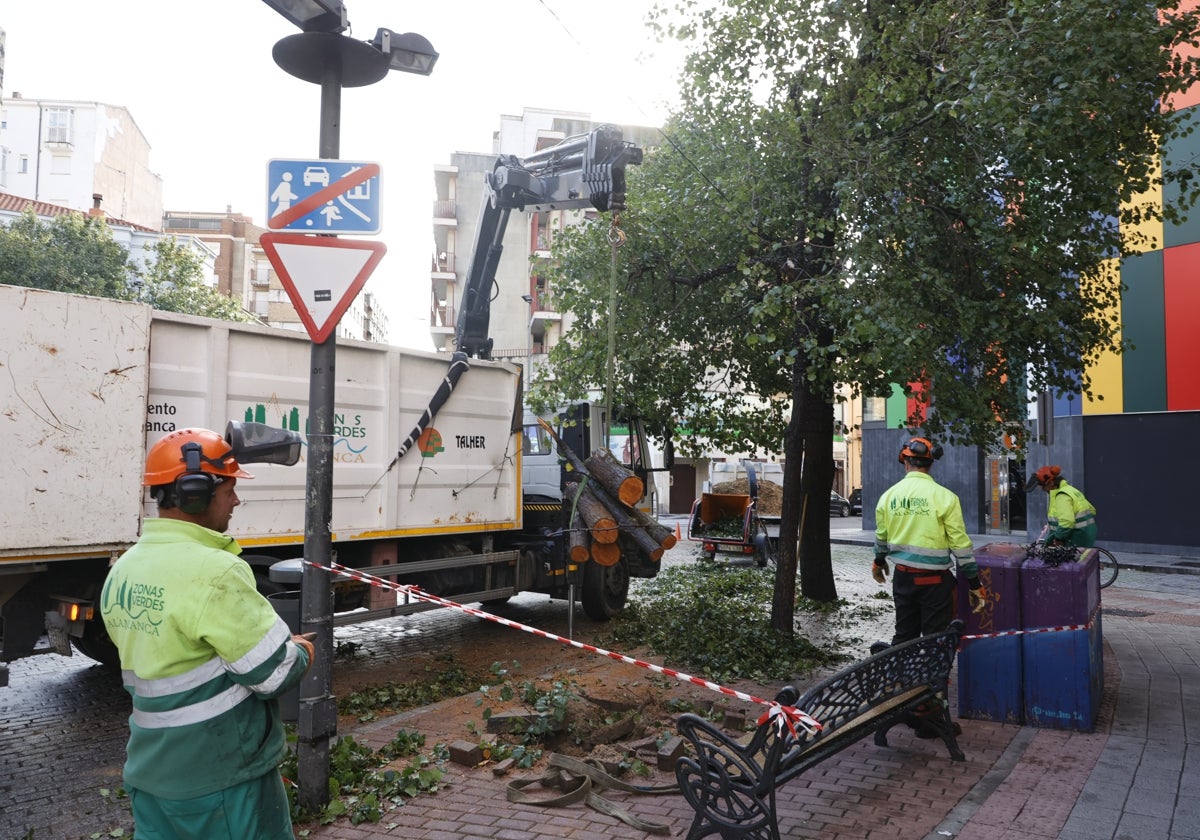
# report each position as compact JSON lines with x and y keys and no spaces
{"x":185,"y":467}
{"x":919,"y":447}
{"x":1045,"y":476}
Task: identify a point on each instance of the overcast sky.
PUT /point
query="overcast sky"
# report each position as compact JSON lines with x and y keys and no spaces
{"x":199,"y":80}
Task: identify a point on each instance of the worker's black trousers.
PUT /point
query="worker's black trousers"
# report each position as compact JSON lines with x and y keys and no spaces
{"x":924,"y":602}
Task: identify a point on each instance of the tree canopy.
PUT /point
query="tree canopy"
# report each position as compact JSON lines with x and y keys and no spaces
{"x":923,"y":193}
{"x":173,"y":281}
{"x":77,"y":253}
{"x":69,"y":253}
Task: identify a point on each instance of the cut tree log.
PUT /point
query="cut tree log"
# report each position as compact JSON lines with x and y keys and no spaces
{"x":596,"y":516}
{"x":628,"y":517}
{"x":606,"y":554}
{"x":615,"y":477}
{"x":630,"y":528}
{"x":580,"y":541}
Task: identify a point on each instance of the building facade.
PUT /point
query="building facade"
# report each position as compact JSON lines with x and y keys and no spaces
{"x":77,"y":154}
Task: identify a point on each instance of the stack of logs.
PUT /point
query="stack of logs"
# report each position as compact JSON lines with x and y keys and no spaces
{"x":604,"y":493}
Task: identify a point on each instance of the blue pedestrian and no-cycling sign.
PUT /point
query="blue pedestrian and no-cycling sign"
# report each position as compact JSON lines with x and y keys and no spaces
{"x":323,"y":196}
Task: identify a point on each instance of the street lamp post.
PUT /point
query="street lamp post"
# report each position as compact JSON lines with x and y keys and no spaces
{"x":322,"y":56}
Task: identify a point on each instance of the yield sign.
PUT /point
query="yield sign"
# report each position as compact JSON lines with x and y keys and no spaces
{"x":322,"y":275}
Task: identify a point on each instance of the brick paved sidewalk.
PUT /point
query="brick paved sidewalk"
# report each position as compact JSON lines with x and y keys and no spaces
{"x":1134,"y":777}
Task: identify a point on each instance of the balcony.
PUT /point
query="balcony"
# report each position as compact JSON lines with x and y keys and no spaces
{"x":443,"y":263}
{"x":445,"y":208}
{"x":441,"y":316}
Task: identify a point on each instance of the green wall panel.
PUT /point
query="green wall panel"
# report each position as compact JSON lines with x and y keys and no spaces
{"x":1142,"y":312}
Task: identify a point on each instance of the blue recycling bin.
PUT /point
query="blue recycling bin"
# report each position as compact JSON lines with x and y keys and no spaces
{"x":989,"y":669}
{"x":1062,"y":669}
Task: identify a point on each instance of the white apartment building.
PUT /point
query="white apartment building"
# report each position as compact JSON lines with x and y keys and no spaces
{"x":78,"y":155}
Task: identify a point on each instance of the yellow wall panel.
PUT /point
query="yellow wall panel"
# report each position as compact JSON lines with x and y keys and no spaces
{"x":1105,"y":371}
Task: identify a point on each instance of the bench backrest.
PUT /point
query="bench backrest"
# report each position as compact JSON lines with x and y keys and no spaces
{"x":855,"y":699}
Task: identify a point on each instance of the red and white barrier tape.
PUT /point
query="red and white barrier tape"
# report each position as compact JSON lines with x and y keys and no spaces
{"x":787,"y":717}
{"x":1062,"y":628}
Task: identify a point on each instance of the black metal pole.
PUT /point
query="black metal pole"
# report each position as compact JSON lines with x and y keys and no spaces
{"x":318,"y":711}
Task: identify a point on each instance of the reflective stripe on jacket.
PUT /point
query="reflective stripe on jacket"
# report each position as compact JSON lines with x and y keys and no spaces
{"x":1071,"y":517}
{"x":203,"y":656}
{"x":918,"y":522}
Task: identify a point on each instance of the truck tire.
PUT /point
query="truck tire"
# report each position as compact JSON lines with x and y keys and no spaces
{"x":605,"y":590}
{"x":95,"y":644}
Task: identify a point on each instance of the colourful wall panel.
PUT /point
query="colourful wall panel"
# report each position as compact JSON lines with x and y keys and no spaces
{"x":1182,"y":152}
{"x":897,"y":408}
{"x":1145,"y":379}
{"x":1146,"y":235}
{"x":1181,"y":299}
{"x":1106,"y":371}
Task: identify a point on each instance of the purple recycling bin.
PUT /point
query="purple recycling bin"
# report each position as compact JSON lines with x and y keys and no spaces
{"x":989,"y":669}
{"x":1062,"y":648}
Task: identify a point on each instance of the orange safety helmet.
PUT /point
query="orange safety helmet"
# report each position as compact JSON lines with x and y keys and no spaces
{"x":190,"y":451}
{"x":920,"y":447}
{"x":1044,"y":476}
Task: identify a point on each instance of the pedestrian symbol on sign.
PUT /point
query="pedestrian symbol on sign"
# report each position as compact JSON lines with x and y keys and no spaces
{"x":323,"y":196}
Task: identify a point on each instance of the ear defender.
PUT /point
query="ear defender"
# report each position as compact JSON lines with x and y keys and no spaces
{"x":193,"y":488}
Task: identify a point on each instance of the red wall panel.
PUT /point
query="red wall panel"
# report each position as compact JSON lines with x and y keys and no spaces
{"x":1181,"y":299}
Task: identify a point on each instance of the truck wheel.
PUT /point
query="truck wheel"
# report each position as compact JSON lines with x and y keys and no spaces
{"x":95,"y":644}
{"x":605,"y":589}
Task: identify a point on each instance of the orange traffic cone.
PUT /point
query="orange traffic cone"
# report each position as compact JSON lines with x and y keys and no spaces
{"x":678,"y":533}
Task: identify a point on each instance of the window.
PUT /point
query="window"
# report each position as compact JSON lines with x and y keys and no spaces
{"x":23,"y":165}
{"x":59,"y":124}
{"x":536,"y":441}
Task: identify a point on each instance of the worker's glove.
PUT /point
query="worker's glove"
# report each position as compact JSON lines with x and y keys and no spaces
{"x":879,"y":569}
{"x":306,"y":641}
{"x":977,"y":597}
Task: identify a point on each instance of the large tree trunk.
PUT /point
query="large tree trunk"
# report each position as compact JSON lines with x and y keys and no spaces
{"x":816,"y":561}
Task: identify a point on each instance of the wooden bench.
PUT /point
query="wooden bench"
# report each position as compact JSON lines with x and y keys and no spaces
{"x":732,"y":785}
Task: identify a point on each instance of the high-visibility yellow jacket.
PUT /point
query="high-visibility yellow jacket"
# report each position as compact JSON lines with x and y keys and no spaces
{"x":204,"y":655}
{"x":1071,"y":517}
{"x":918,"y":522}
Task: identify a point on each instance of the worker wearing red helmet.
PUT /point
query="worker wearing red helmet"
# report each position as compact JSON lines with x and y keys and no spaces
{"x":920,"y":527}
{"x":1070,"y":517}
{"x":203,"y":655}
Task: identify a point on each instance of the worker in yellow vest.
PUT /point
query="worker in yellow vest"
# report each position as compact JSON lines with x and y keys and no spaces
{"x":203,"y":655}
{"x":1070,"y":517}
{"x":919,"y":526}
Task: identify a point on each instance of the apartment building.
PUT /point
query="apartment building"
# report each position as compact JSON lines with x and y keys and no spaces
{"x":79,"y":155}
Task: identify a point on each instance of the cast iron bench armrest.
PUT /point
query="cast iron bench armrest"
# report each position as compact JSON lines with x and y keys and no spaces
{"x":731,"y":785}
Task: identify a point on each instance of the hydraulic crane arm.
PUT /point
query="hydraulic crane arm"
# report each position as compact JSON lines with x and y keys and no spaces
{"x":583,"y":171}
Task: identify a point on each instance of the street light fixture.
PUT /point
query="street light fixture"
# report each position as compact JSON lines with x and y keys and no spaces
{"x":408,"y":52}
{"x":313,"y":15}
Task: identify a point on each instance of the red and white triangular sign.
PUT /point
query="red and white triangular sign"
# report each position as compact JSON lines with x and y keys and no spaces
{"x":322,"y":275}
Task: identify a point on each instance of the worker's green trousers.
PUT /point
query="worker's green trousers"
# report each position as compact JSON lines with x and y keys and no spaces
{"x":253,"y":810}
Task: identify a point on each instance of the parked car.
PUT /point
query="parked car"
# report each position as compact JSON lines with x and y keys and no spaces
{"x":838,"y":505}
{"x":855,"y":500}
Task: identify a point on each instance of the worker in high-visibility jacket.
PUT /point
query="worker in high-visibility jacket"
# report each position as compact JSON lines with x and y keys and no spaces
{"x":1070,"y":517}
{"x":919,"y":526}
{"x":204,"y":656}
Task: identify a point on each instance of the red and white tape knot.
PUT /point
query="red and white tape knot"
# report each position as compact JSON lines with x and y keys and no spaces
{"x":786,"y":718}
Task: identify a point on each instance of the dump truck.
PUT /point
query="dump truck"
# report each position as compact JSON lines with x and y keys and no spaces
{"x":428,"y":485}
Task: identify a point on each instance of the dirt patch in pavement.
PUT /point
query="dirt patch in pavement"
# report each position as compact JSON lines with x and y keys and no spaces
{"x":611,"y":703}
{"x":591,"y":705}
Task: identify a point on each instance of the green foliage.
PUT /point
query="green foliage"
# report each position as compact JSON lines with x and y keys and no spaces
{"x":879,"y":193}
{"x":362,"y":787}
{"x":172,"y":281}
{"x":550,"y":707}
{"x":714,"y":620}
{"x":70,"y":253}
{"x":77,"y":253}
{"x":365,"y":703}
